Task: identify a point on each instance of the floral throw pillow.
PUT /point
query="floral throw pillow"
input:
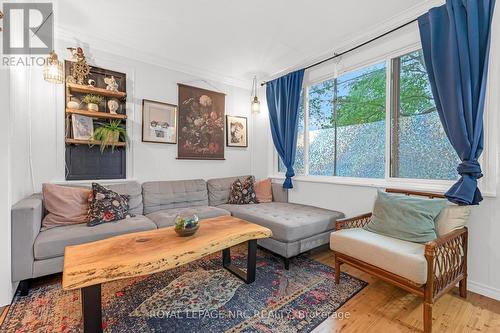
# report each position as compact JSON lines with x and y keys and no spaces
{"x":106,"y":206}
{"x":243,"y":193}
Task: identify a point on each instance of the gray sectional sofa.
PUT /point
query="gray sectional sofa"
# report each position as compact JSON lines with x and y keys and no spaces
{"x":37,"y":252}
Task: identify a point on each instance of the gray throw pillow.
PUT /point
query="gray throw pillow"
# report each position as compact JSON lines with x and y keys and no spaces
{"x":405,"y":217}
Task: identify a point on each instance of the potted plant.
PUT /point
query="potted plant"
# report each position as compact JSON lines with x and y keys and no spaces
{"x":109,"y":134}
{"x":92,"y":102}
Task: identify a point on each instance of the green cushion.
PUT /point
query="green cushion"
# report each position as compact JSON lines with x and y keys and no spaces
{"x":405,"y":217}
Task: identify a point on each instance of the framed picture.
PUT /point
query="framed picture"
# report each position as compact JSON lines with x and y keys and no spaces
{"x":159,"y":122}
{"x":83,"y":127}
{"x":201,"y":124}
{"x":236,"y":131}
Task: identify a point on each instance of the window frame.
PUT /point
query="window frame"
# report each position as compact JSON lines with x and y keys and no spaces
{"x":438,"y":185}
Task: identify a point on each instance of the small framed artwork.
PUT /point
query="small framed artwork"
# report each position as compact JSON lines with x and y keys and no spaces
{"x":236,"y":131}
{"x":159,"y":122}
{"x":83,"y":127}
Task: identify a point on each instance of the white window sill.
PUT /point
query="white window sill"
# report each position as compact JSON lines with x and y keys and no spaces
{"x":438,"y":186}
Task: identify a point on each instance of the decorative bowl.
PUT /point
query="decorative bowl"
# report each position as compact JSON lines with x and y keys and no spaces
{"x":185,"y":232}
{"x":186,"y":226}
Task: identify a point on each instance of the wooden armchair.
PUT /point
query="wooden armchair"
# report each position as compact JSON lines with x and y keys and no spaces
{"x":446,"y":259}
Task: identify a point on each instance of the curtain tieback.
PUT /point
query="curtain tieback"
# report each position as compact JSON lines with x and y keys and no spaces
{"x":470,"y":168}
{"x":288,"y":180}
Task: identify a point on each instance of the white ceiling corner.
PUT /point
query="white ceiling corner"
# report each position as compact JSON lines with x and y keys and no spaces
{"x":229,"y":41}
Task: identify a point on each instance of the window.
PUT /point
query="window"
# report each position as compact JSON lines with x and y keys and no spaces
{"x":346,"y":125}
{"x":321,"y":129}
{"x":419,"y":147}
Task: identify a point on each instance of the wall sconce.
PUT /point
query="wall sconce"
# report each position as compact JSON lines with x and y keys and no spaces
{"x":53,"y":69}
{"x":255,"y":100}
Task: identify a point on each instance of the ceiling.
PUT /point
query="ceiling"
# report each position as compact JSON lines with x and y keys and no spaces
{"x":230,"y":39}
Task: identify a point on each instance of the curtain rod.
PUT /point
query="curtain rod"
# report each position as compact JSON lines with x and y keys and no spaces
{"x":336,"y":55}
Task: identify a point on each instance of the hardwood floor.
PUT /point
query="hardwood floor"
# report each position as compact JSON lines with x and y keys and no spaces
{"x":381,"y":307}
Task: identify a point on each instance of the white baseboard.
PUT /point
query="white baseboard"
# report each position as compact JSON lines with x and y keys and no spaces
{"x":484,"y":290}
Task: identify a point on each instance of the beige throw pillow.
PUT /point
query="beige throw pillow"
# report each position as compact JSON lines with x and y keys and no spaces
{"x":66,"y":205}
{"x":264,"y":190}
{"x":452,"y":218}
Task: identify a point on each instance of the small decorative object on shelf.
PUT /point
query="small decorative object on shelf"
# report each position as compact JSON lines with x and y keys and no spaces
{"x":92,"y":102}
{"x":111,"y":83}
{"x":109,"y":134}
{"x":186,"y":226}
{"x":80,"y":69}
{"x":73,"y":103}
{"x":113,"y":105}
{"x":91,"y":82}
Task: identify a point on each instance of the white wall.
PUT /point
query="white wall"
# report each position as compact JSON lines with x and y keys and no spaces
{"x":484,"y":226}
{"x":5,"y":195}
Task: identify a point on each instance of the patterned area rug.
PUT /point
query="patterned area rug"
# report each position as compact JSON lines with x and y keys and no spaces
{"x":198,"y":297}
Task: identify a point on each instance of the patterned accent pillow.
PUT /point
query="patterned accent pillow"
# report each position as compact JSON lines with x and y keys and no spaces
{"x":243,"y":193}
{"x":106,"y":206}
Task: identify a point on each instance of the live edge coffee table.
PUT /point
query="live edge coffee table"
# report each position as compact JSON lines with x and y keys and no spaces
{"x":89,"y":265}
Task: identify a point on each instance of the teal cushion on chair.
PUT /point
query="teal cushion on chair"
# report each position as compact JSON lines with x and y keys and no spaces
{"x":404,"y":217}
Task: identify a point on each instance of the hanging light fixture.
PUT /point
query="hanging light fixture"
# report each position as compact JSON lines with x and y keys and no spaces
{"x":53,"y":69}
{"x":255,"y":100}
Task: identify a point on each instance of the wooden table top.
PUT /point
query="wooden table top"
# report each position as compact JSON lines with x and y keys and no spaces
{"x":148,"y":252}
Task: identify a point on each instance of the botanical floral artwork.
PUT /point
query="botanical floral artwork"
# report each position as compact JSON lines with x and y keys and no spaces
{"x":201,"y":124}
{"x":159,"y":122}
{"x":237,"y":131}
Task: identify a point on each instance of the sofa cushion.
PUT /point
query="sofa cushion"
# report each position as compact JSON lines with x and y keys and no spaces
{"x":451,"y":218}
{"x":66,"y":205}
{"x":51,"y":243}
{"x":106,"y":205}
{"x":131,"y":188}
{"x":405,"y":217}
{"x":394,"y":255}
{"x":288,"y":222}
{"x":166,"y":218}
{"x":162,"y":195}
{"x":263,"y":190}
{"x":243,"y":192}
{"x":134,"y":191}
{"x":219,"y":189}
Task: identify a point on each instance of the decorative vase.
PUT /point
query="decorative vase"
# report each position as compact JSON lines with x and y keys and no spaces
{"x":93,"y":107}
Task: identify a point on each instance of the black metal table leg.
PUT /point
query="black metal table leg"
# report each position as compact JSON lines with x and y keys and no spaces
{"x":249,"y":276}
{"x":91,"y":309}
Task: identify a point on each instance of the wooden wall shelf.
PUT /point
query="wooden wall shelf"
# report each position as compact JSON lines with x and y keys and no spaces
{"x":91,"y":142}
{"x":96,"y":91}
{"x":94,"y":114}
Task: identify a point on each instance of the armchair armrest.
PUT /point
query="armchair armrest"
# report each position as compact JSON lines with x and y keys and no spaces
{"x":26,"y":219}
{"x":446,"y":261}
{"x":353,"y":222}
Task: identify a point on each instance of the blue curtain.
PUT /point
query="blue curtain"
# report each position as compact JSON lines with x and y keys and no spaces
{"x":456,"y":41}
{"x":283,"y":96}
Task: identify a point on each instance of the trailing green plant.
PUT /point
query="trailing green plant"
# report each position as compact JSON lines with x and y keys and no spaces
{"x":90,"y":98}
{"x":109,"y":134}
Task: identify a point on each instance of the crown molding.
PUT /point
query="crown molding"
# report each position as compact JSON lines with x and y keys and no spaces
{"x":98,"y":43}
{"x":362,"y":36}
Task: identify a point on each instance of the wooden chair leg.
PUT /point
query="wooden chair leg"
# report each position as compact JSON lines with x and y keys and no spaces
{"x":463,"y":288}
{"x":337,"y":270}
{"x":427,"y":317}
